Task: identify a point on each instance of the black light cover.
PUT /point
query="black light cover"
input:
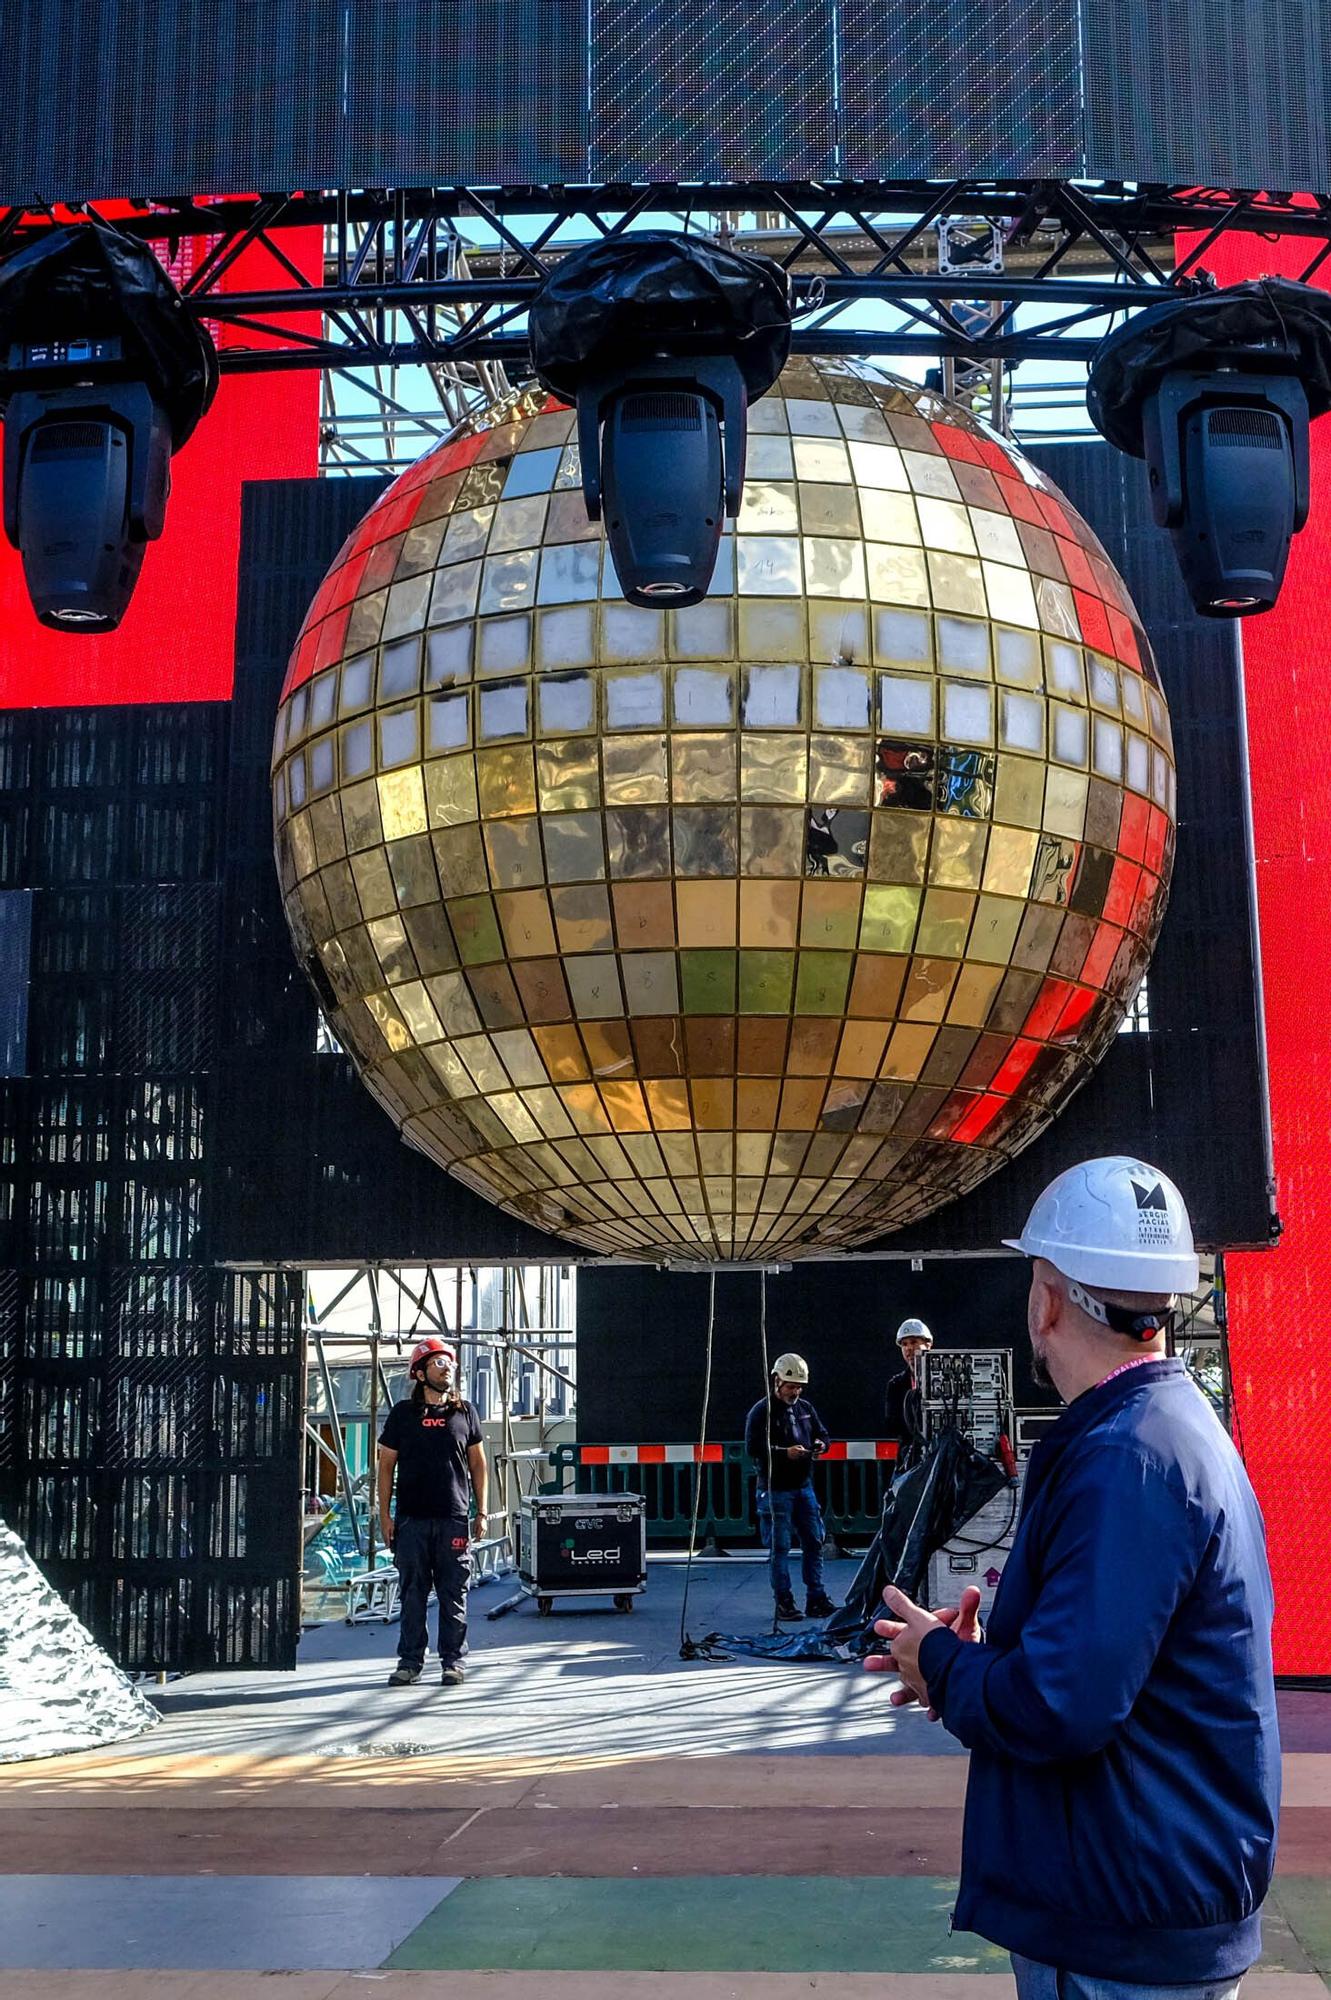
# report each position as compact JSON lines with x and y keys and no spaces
{"x":661,"y":340}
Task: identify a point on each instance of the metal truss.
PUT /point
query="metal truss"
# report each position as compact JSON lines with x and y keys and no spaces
{"x":439,"y":279}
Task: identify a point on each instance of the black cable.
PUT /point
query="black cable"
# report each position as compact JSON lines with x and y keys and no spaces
{"x":767,"y":1392}
{"x":688,"y":1649}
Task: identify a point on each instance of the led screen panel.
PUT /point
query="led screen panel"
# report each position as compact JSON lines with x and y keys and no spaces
{"x":171,"y":97}
{"x":1232,"y":92}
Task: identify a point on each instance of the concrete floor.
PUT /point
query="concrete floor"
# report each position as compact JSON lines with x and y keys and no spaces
{"x":587,"y":1807}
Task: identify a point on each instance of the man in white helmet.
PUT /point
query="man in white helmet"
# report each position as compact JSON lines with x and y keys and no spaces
{"x":1124,"y":1782}
{"x":903,"y":1418}
{"x":783,"y":1435}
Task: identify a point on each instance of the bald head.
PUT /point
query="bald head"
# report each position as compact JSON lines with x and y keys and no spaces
{"x":1072,"y":1348}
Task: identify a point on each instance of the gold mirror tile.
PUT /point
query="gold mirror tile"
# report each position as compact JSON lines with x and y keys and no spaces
{"x":772,"y":841}
{"x":634,"y":770}
{"x":774,"y":768}
{"x":994,"y":932}
{"x":651,"y":983}
{"x":769,"y":913}
{"x":702,"y":631}
{"x":830,"y":915}
{"x":1009,"y":859}
{"x":568,"y":774}
{"x":705,"y":840}
{"x":957,"y":855}
{"x":703,"y":767}
{"x":520,"y":1057}
{"x":388,"y":1021}
{"x":839,"y":770}
{"x":1065,"y":802}
{"x":945,"y":919}
{"x":524,"y":918}
{"x":450,"y":790}
{"x":339,"y":886}
{"x":889,"y":917}
{"x":360,"y":816}
{"x":828,"y":510}
{"x":768,"y":565}
{"x":514,"y":851}
{"x":325,"y":819}
{"x":374,"y":883}
{"x":460,"y":859}
{"x":834,"y":567}
{"x":475,"y":929}
{"x":707,"y":915}
{"x":593,"y":984}
{"x":453,"y":1073}
{"x":772,"y":631}
{"x":839,"y":634}
{"x":902,"y":576}
{"x":768,"y":507}
{"x":582,"y":917}
{"x":300,"y":842}
{"x":638,"y":841}
{"x":411,"y":863}
{"x":930,"y":475}
{"x":956,"y":583}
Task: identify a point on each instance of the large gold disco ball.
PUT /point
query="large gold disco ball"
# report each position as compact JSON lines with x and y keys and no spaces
{"x":751,"y":930}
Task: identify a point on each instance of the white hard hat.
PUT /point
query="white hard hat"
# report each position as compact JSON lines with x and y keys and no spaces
{"x":914,"y":1329}
{"x":790,"y":1368}
{"x":1115,"y":1223}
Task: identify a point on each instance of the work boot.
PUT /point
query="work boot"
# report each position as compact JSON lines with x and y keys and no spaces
{"x":819,"y":1605}
{"x":787,"y":1609}
{"x":404,"y":1675}
{"x":452,"y":1677}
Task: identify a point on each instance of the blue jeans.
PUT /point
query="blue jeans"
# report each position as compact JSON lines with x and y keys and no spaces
{"x":793,"y":1514}
{"x":1044,"y":1982}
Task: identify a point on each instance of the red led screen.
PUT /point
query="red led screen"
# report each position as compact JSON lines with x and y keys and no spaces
{"x":177,"y":641}
{"x":1280,"y":1301}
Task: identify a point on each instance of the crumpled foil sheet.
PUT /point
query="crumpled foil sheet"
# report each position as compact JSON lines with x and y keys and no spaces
{"x":58,"y":1690}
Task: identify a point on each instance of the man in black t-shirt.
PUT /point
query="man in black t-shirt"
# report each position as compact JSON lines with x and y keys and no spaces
{"x":433,"y":1442}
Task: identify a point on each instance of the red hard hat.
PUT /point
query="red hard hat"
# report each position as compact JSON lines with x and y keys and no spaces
{"x":432,"y":1344}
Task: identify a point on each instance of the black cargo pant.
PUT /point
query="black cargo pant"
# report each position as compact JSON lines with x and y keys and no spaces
{"x":438,"y":1554}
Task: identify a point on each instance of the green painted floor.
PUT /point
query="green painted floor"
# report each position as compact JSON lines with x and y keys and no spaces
{"x":753,"y":1924}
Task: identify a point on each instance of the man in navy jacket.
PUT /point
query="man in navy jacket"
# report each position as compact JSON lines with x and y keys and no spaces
{"x":1120,"y":1710}
{"x":783,"y":1435}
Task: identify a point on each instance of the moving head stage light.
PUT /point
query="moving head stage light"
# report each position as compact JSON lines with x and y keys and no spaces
{"x":661,"y":341}
{"x":1216,"y":392}
{"x":103,"y":375}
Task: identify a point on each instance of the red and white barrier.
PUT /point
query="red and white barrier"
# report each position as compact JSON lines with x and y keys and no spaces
{"x":712,"y":1454}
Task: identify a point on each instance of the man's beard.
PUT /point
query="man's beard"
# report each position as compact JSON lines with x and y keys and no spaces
{"x":1040,"y":1368}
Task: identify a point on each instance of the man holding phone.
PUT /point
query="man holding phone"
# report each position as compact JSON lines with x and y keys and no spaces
{"x":783,"y":1435}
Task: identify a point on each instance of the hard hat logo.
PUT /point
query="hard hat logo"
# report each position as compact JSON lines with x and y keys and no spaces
{"x":914,"y":1329}
{"x":1117,"y":1224}
{"x":1154,"y":1224}
{"x":790,"y":1368}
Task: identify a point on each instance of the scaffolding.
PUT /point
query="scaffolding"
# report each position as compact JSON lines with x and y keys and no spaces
{"x":513,"y":1327}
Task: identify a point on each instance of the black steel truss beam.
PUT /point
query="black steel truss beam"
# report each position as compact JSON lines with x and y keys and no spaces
{"x":391,"y":269}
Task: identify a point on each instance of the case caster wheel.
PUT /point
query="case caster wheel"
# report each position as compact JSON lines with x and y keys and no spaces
{"x":545,"y":1605}
{"x":624,"y":1602}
